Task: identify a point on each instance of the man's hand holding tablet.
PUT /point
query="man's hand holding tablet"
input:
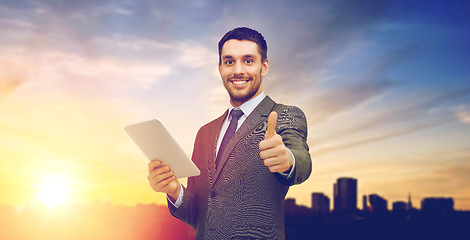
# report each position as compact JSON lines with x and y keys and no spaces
{"x":162,"y":179}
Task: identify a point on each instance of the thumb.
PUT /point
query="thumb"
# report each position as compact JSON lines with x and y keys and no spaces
{"x":272,"y":121}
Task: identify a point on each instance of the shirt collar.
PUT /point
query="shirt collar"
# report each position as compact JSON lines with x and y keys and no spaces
{"x":250,"y":105}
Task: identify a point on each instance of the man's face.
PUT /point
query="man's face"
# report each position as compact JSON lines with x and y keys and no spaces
{"x":242,"y":70}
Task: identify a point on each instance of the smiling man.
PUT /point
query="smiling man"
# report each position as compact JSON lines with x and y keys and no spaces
{"x":248,"y":157}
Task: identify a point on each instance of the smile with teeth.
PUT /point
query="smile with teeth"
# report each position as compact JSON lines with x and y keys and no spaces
{"x":239,"y":82}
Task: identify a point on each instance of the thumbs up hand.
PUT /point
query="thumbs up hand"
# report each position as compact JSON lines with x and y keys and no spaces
{"x":275,"y":154}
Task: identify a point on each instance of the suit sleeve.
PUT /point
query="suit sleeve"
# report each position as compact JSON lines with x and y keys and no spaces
{"x":187,"y":212}
{"x":292,"y":126}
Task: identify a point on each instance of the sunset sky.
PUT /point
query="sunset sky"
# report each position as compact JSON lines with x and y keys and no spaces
{"x":385,"y":86}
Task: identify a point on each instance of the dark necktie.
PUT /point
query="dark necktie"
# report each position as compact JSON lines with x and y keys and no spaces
{"x":232,"y":127}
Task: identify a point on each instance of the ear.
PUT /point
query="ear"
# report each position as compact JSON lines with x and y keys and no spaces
{"x":220,"y":69}
{"x":265,"y":67}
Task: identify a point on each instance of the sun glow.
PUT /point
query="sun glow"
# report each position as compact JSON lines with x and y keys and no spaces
{"x":54,"y":190}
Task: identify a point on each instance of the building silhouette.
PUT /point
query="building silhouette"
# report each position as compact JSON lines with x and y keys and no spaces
{"x":410,"y":204}
{"x":399,"y":207}
{"x":365,"y":206}
{"x":320,"y":203}
{"x":345,"y":195}
{"x":437,"y":205}
{"x":378,"y":204}
{"x":289,"y":206}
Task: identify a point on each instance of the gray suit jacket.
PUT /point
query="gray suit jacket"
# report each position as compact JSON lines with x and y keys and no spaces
{"x":242,"y":199}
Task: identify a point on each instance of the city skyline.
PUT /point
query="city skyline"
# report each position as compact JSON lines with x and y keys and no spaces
{"x":365,"y":200}
{"x":436,"y":219}
{"x":384,"y":86}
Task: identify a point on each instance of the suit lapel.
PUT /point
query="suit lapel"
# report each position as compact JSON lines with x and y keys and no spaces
{"x":213,"y":148}
{"x":259,"y":114}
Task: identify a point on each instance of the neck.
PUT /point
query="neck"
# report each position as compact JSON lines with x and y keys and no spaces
{"x":236,"y":103}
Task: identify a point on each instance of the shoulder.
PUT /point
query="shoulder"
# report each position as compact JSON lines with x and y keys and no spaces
{"x":291,"y":115}
{"x":291,"y":119}
{"x":283,"y":111}
{"x":289,"y":111}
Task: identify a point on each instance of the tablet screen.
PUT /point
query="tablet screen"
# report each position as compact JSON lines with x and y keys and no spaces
{"x":156,"y":142}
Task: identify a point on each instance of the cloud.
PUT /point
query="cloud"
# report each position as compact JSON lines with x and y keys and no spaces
{"x":124,"y":11}
{"x":65,"y":71}
{"x":16,"y":23}
{"x":304,"y":48}
{"x":327,"y":103}
{"x":405,"y":110}
{"x":129,"y":44}
{"x":194,"y":55}
{"x":463,"y":113}
{"x":328,"y":147}
{"x":367,"y":124}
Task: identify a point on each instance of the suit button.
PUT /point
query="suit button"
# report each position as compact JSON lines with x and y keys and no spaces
{"x":213,"y":194}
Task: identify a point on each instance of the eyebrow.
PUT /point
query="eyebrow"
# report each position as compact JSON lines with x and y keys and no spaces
{"x":244,"y":56}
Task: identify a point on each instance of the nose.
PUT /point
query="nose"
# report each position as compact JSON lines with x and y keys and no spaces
{"x":239,"y":69}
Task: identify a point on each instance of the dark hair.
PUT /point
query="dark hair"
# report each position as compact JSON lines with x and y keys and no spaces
{"x":244,"y":33}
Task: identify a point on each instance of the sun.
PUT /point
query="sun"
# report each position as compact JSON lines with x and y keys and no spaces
{"x":54,"y":190}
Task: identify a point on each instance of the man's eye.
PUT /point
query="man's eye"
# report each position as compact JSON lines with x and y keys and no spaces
{"x":228,"y":62}
{"x":248,"y":61}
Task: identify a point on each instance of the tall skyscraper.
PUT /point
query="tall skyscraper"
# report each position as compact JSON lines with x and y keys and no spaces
{"x":320,"y":203}
{"x":345,"y":195}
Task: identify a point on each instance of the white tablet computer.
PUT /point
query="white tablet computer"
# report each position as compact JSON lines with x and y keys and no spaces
{"x":155,"y":142}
